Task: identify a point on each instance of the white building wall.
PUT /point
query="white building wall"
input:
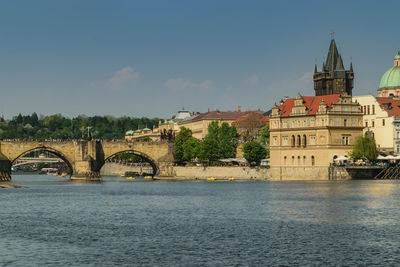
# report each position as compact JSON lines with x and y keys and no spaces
{"x":377,"y":120}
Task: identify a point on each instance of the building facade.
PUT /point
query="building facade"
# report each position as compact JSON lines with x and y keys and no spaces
{"x":308,"y":132}
{"x":199,"y":124}
{"x":166,"y":129}
{"x":333,"y":77}
{"x":382,"y":121}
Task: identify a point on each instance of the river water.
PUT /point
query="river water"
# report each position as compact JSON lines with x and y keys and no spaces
{"x":55,"y":222}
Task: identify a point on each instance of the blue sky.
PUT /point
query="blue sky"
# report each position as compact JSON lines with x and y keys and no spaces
{"x":151,"y":58}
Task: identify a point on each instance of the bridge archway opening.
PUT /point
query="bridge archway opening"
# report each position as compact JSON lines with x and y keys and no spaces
{"x":134,"y":162}
{"x":43,"y":159}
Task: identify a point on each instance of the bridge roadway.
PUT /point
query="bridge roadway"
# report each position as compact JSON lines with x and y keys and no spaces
{"x":85,"y":158}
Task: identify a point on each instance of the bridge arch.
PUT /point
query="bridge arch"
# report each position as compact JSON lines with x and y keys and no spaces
{"x":146,"y":157}
{"x":44,"y":148}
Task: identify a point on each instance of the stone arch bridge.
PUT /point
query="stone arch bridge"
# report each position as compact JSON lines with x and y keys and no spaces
{"x":85,"y":158}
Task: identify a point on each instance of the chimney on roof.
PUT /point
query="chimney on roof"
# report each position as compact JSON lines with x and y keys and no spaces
{"x":239,"y":108}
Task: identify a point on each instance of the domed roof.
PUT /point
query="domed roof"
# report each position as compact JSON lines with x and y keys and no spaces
{"x":130,"y":132}
{"x":391,"y":78}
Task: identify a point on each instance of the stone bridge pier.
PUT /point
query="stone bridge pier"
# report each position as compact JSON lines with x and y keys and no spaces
{"x":85,"y":158}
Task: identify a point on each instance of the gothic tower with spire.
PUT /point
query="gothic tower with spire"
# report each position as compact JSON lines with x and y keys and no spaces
{"x":333,"y":78}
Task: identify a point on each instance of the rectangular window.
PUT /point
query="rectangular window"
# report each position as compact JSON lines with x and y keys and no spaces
{"x":368,"y":109}
{"x":312,"y":140}
{"x":345,"y":140}
{"x":275,"y":141}
{"x":366,"y":123}
{"x":337,"y":122}
{"x":353,"y":122}
{"x":373,"y":123}
{"x":285,"y":141}
{"x":383,"y":122}
{"x":373,"y":109}
{"x":398,"y":148}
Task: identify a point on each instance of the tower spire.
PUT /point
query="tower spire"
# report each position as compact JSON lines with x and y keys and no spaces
{"x":334,"y":78}
{"x":351,"y":64}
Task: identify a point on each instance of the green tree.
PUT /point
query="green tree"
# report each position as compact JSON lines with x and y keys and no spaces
{"x":254,"y":152}
{"x":220,"y":142}
{"x":264,"y":135}
{"x":365,"y":146}
{"x":182,"y":137}
{"x":191,"y":149}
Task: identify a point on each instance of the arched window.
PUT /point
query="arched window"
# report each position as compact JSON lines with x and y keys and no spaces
{"x":299,"y":141}
{"x":304,"y":140}
{"x":312,"y":161}
{"x":293,"y":141}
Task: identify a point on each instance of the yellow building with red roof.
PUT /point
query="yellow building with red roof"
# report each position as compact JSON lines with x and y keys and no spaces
{"x":308,"y":132}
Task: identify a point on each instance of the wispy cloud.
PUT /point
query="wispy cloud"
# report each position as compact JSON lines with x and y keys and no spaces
{"x":178,"y":84}
{"x":123,"y":78}
{"x":253,"y":79}
{"x":307,"y":77}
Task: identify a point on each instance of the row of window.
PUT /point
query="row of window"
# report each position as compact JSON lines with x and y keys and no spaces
{"x":301,"y":141}
{"x":300,"y":161}
{"x":373,"y":123}
{"x":319,"y":122}
{"x":367,"y":110}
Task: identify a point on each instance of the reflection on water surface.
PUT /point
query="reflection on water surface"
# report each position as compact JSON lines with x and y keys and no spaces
{"x":120,"y":222}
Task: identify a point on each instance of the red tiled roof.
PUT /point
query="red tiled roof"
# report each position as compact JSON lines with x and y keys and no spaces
{"x":219,"y":115}
{"x":311,"y":103}
{"x":259,"y":115}
{"x":390,"y":105}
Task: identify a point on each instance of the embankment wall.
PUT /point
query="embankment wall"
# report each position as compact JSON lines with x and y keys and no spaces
{"x":239,"y":173}
{"x":115,"y":169}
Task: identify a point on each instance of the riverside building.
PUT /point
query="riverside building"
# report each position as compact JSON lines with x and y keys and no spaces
{"x":199,"y":123}
{"x":308,"y":132}
{"x":382,"y":113}
{"x":167,"y":128}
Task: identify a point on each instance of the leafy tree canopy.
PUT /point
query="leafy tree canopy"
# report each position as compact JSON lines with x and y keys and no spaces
{"x":58,"y":126}
{"x":220,"y":142}
{"x":181,"y":139}
{"x":254,"y":152}
{"x":365,"y":147}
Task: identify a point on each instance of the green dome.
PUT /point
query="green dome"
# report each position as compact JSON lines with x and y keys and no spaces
{"x":391,"y":78}
{"x":146,"y":129}
{"x":130,"y":132}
